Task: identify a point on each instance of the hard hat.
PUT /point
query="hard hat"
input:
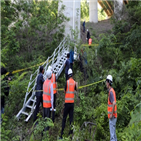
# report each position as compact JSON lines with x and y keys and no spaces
{"x":50,"y":68}
{"x":70,"y":71}
{"x":109,"y":77}
{"x":49,"y":73}
{"x":87,"y":29}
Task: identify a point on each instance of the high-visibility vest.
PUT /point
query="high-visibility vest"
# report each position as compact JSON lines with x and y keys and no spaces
{"x":69,"y":96}
{"x":54,"y":83}
{"x":110,"y":105}
{"x":47,"y":94}
{"x":90,"y":41}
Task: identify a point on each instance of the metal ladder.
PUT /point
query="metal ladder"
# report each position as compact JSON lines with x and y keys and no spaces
{"x":57,"y":61}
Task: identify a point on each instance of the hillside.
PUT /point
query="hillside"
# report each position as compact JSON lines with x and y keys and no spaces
{"x":118,"y":54}
{"x":96,"y":29}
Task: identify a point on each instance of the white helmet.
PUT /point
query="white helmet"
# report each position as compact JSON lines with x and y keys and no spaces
{"x":50,"y":68}
{"x":109,"y":77}
{"x":87,"y":30}
{"x":70,"y":72}
{"x":49,"y":73}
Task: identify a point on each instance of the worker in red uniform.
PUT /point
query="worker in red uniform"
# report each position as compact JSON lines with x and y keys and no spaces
{"x":48,"y":96}
{"x":70,"y":88}
{"x":112,"y":108}
{"x":53,"y":80}
{"x":90,"y":41}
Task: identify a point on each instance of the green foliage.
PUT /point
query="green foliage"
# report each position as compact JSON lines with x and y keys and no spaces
{"x":36,"y":29}
{"x":118,"y":54}
{"x":5,"y":132}
{"x":132,"y":131}
{"x":38,"y":130}
{"x":17,"y":94}
{"x":31,"y":31}
{"x":101,"y":14}
{"x":4,"y":84}
{"x":85,"y":10}
{"x":133,"y":3}
{"x":135,"y":114}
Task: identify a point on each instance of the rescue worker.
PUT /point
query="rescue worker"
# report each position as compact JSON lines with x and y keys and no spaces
{"x":88,"y":36}
{"x":71,"y":58}
{"x":48,"y":96}
{"x":70,"y":88}
{"x":90,"y":41}
{"x":112,"y":108}
{"x":83,"y":26}
{"x":53,"y":80}
{"x":39,"y":93}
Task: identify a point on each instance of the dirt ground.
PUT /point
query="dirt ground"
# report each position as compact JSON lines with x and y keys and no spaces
{"x":96,"y":29}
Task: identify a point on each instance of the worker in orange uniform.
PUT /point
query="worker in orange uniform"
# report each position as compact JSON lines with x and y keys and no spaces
{"x":90,"y":41}
{"x":112,"y":108}
{"x":48,"y":96}
{"x":70,"y":88}
{"x":53,"y":80}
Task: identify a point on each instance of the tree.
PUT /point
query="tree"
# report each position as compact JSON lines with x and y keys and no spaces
{"x":85,"y":10}
{"x":38,"y":27}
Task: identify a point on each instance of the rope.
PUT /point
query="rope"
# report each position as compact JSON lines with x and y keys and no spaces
{"x":87,"y":45}
{"x":61,"y":89}
{"x":16,"y":71}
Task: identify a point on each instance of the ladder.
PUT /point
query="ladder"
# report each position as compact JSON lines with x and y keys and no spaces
{"x":57,"y":61}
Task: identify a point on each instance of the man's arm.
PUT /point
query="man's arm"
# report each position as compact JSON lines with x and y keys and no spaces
{"x":65,"y":88}
{"x":73,"y":57}
{"x":76,"y":86}
{"x":56,"y":83}
{"x":56,"y":87}
{"x":113,"y":106}
{"x":65,"y":63}
{"x":42,"y":79}
{"x":52,"y":99}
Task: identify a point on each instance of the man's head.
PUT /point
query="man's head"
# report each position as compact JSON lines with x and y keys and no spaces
{"x":109,"y":81}
{"x":42,"y":69}
{"x":70,"y":73}
{"x":68,"y":55}
{"x":49,"y":74}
